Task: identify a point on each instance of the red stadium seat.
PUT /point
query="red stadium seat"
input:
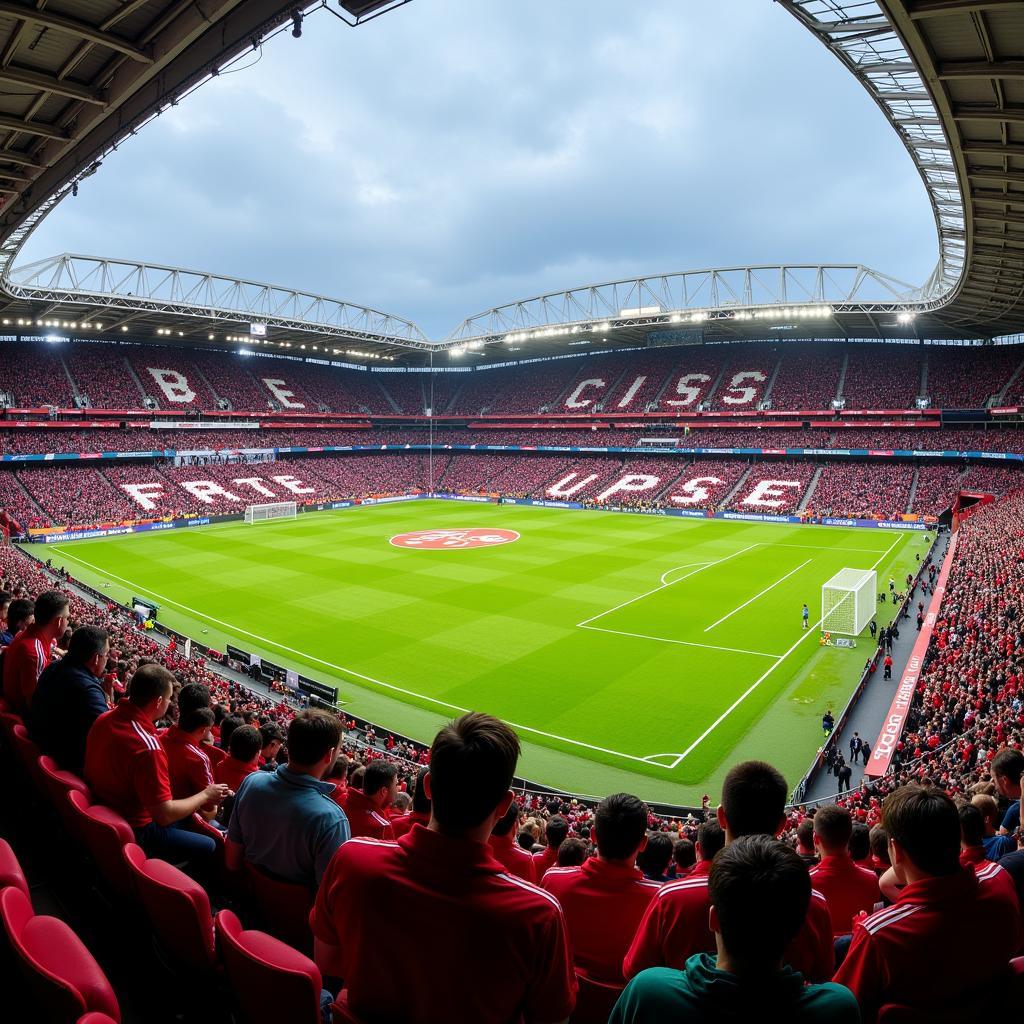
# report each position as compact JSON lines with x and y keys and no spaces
{"x":63,"y":976}
{"x":594,"y":1001}
{"x":27,"y":753}
{"x":10,"y":870}
{"x":283,"y":908}
{"x":57,"y":783}
{"x":106,"y":833}
{"x":95,"y":1018}
{"x":271,"y":981}
{"x":178,"y":908}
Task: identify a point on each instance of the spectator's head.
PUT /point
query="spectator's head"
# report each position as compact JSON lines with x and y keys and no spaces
{"x":380,"y":782}
{"x":524,"y":840}
{"x":759,"y":891}
{"x":472,"y":762}
{"x":508,"y":821}
{"x":193,"y":695}
{"x":989,"y":811}
{"x":228,"y":726}
{"x":924,"y":833}
{"x":51,"y":613}
{"x":197,"y":722}
{"x":1007,"y":767}
{"x":710,"y":839}
{"x":150,"y":689}
{"x":879,"y":840}
{"x":273,"y":739}
{"x":402,"y":802}
{"x":620,"y":828}
{"x":654,"y":858}
{"x":19,"y":615}
{"x":5,"y":600}
{"x":860,"y":841}
{"x":245,"y":744}
{"x":556,"y":831}
{"x":313,"y":740}
{"x":972,"y":827}
{"x":338,"y":772}
{"x":684,"y":853}
{"x":420,"y":800}
{"x":805,"y":838}
{"x":832,"y":828}
{"x":753,"y":801}
{"x":89,"y":648}
{"x":572,"y":853}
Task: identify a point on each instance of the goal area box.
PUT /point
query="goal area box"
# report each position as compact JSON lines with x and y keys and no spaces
{"x":275,"y":510}
{"x":848,"y":601}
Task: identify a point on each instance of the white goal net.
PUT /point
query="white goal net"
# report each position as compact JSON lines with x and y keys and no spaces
{"x":275,"y":510}
{"x":848,"y":601}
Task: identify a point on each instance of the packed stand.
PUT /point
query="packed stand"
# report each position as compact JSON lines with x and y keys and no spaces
{"x":882,"y":377}
{"x":640,"y":385}
{"x":807,"y":379}
{"x":101,"y":374}
{"x":18,"y":504}
{"x":171,"y":378}
{"x":862,"y":490}
{"x":745,"y":379}
{"x":937,"y":488}
{"x":76,"y":495}
{"x":34,"y":375}
{"x":949,"y":387}
{"x":776,"y":488}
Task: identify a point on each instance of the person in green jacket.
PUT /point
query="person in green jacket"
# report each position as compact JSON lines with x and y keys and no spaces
{"x":759,"y":890}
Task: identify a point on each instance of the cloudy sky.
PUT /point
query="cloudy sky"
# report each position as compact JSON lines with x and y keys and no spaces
{"x":458,"y":154}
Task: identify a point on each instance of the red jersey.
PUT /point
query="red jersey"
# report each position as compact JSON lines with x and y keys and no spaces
{"x":404,"y":822}
{"x":603,"y":904}
{"x":515,"y":859}
{"x":125,"y":764}
{"x":508,"y":936}
{"x":848,"y":889}
{"x":24,"y":660}
{"x":231,"y":771}
{"x":187,"y":764}
{"x":544,"y":861}
{"x":364,"y":817}
{"x":675,"y":927}
{"x":943,"y":939}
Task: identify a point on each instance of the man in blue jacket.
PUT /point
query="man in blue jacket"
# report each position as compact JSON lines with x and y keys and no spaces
{"x":69,"y":698}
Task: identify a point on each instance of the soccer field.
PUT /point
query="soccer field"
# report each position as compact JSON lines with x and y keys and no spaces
{"x":631,"y":652}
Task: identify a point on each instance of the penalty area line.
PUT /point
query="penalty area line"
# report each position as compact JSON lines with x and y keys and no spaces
{"x":772,"y":586}
{"x":341,"y":668}
{"x":681,"y":643}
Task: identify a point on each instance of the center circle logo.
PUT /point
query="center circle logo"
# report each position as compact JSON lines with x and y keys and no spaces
{"x":448,"y":540}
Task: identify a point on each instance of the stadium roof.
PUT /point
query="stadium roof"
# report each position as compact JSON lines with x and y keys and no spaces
{"x":81,"y":75}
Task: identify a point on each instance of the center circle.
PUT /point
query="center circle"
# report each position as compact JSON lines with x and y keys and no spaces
{"x":450,"y":540}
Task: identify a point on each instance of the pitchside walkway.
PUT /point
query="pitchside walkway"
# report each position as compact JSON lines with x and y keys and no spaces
{"x":869,"y":714}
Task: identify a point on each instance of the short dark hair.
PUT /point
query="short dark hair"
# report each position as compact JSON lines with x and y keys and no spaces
{"x":753,"y":798}
{"x":472,"y":762}
{"x":228,"y":726}
{"x":19,"y":612}
{"x":879,"y":840}
{"x":710,"y":839}
{"x":925,"y":823}
{"x":504,"y":825}
{"x":572,"y":853}
{"x":50,"y":604}
{"x":972,"y":825}
{"x":833,"y":826}
{"x":655,"y":857}
{"x":149,"y":682}
{"x":311,"y":734}
{"x":273,"y":733}
{"x":192,"y":718}
{"x":860,"y":841}
{"x":5,"y":598}
{"x":525,"y":840}
{"x":684,"y":853}
{"x":620,"y":824}
{"x":379,"y":774}
{"x":760,"y":890}
{"x":246,"y":743}
{"x":556,"y":831}
{"x":1009,"y":763}
{"x":193,"y":695}
{"x":805,"y":833}
{"x":420,"y":800}
{"x":86,"y":643}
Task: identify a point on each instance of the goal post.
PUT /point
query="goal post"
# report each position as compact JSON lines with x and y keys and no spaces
{"x":274,"y":510}
{"x":848,"y":601}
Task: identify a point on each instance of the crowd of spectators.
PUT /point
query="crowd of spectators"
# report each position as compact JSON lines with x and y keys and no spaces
{"x":101,"y":374}
{"x":949,"y":387}
{"x":862,"y":490}
{"x":776,"y":488}
{"x":34,"y":375}
{"x":746,"y":376}
{"x":77,"y":495}
{"x":937,"y":486}
{"x":807,"y":379}
{"x":633,"y":394}
{"x":882,"y":377}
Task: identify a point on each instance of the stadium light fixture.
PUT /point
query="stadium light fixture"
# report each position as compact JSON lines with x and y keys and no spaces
{"x":906,"y":317}
{"x":124,"y":329}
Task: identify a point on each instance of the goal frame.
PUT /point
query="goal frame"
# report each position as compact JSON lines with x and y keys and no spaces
{"x":270,"y":511}
{"x":848,"y":601}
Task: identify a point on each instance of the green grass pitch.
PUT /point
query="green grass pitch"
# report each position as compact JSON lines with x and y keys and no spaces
{"x":632,"y":652}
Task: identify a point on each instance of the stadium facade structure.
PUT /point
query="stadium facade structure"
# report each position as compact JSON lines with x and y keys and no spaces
{"x":946,"y":74}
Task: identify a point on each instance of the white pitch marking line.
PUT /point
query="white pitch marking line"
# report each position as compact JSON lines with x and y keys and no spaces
{"x":678,"y":567}
{"x":826,"y":547}
{"x":654,"y":590}
{"x":340,"y":668}
{"x":750,"y":689}
{"x":682,"y":643}
{"x":729,"y":615}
